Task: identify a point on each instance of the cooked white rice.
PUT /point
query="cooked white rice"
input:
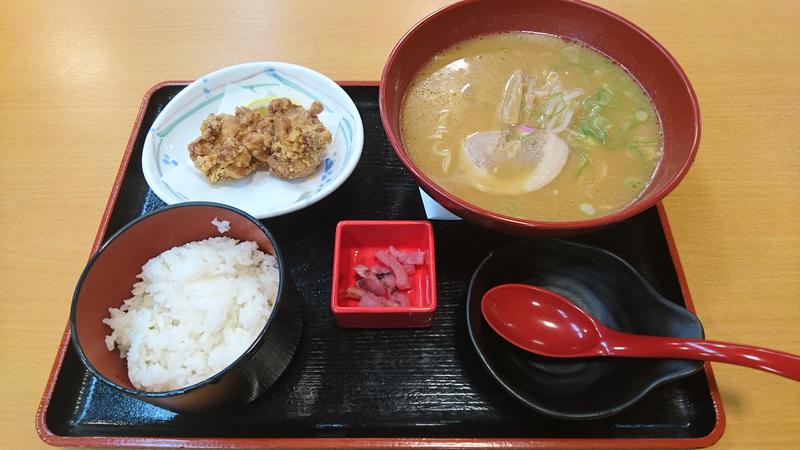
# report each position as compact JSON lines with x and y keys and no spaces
{"x":222,"y":225}
{"x":197,"y":308}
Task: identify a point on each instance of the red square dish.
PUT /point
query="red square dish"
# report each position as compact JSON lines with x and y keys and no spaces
{"x":357,"y":241}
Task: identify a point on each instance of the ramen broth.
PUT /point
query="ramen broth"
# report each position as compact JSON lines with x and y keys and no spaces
{"x":532,"y":126}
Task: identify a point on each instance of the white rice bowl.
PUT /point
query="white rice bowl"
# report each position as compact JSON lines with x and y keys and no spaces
{"x":197,"y":308}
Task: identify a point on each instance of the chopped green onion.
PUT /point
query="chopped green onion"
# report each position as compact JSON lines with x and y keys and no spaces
{"x":587,"y":209}
{"x":635,"y":151}
{"x":585,"y":161}
{"x":607,"y":95}
{"x":601,"y":122}
{"x":601,"y":98}
{"x":588,"y":128}
{"x":628,"y":125}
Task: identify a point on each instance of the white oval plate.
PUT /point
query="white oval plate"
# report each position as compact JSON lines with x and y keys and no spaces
{"x":172,"y":176}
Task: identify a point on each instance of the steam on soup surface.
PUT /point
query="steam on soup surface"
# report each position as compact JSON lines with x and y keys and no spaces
{"x":532,"y":126}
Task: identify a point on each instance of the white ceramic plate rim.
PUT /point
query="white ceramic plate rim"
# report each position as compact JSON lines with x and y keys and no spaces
{"x":328,"y":86}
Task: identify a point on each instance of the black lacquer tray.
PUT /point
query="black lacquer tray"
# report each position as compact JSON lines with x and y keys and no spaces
{"x":379,"y":388}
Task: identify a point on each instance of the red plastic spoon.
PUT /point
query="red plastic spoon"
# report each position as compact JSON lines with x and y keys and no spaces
{"x":542,"y":322}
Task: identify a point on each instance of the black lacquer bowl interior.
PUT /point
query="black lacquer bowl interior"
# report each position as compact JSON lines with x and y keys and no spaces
{"x":607,"y":288}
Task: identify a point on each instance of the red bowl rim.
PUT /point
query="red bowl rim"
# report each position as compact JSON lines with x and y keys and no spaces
{"x":435,"y":190}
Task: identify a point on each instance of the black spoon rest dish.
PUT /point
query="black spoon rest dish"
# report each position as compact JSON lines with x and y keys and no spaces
{"x":607,"y":288}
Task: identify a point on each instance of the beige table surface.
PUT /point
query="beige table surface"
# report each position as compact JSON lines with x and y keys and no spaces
{"x":72,"y":75}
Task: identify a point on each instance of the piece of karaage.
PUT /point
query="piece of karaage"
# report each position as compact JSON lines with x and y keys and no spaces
{"x":284,"y":137}
{"x":299,"y":139}
{"x":226,"y":144}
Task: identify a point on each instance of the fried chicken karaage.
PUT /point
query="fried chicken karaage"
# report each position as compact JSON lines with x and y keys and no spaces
{"x":223,"y":150}
{"x":299,"y":139}
{"x":284,"y":137}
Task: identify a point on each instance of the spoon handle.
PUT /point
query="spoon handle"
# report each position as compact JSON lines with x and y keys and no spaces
{"x":639,"y":346}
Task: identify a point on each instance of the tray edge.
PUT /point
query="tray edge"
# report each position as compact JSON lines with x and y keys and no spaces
{"x":46,"y":435}
{"x":719,"y":427}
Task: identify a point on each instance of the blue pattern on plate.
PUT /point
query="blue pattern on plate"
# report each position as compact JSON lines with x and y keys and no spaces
{"x":327,"y":169}
{"x":166,"y":159}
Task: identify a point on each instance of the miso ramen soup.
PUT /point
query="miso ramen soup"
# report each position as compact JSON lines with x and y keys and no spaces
{"x":532,"y":126}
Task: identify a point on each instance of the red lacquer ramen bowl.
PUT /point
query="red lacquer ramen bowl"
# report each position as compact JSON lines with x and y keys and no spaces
{"x":649,"y":62}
